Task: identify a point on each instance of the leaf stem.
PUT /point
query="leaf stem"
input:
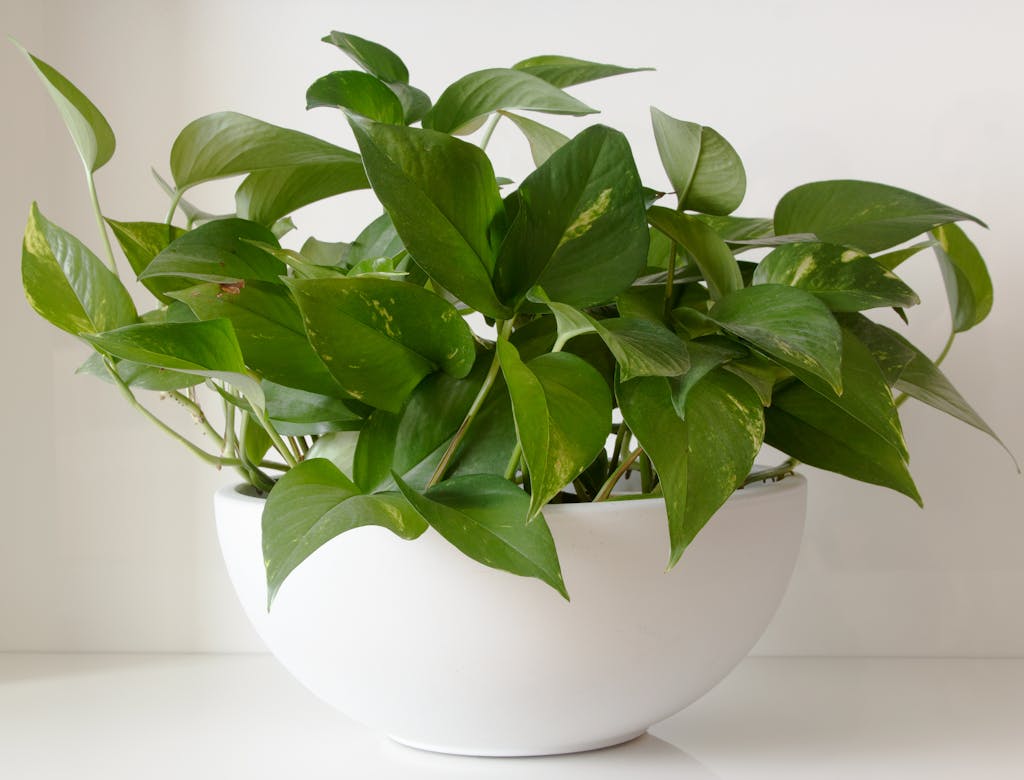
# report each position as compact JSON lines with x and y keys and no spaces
{"x":175,"y":199}
{"x":100,"y":223}
{"x":513,"y":462}
{"x":774,"y":473}
{"x":606,"y":488}
{"x":670,"y":278}
{"x":199,"y":416}
{"x":492,"y":123}
{"x":278,"y":443}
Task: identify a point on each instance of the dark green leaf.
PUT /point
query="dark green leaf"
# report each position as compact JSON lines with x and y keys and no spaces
{"x":379,"y":337}
{"x":415,"y":102}
{"x":444,"y":201}
{"x":67,"y":284}
{"x":702,"y":166}
{"x":862,"y":214}
{"x":89,"y":129}
{"x":485,"y":517}
{"x":790,"y":325}
{"x":378,"y":239}
{"x":298,"y":412}
{"x":375,"y":450}
{"x":371,"y":57}
{"x":359,"y":93}
{"x":739,"y":229}
{"x":892,"y":260}
{"x":968,"y":284}
{"x":705,"y":355}
{"x":580,"y":232}
{"x":643,"y":347}
{"x":562,"y":409}
{"x":141,"y":242}
{"x":544,"y":141}
{"x":709,"y":252}
{"x":569,"y":71}
{"x":312,"y":504}
{"x":845,"y":279}
{"x":478,"y":94}
{"x":219,"y":252}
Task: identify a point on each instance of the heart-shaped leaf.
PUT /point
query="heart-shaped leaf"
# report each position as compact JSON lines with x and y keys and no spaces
{"x":141,"y":242}
{"x":221,"y":252}
{"x":711,"y":254}
{"x":569,"y":71}
{"x":968,"y":285}
{"x":359,"y":93}
{"x":544,"y":141}
{"x":371,"y":57}
{"x":266,"y":196}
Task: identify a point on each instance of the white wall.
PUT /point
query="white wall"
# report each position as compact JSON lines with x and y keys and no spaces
{"x":106,"y":539}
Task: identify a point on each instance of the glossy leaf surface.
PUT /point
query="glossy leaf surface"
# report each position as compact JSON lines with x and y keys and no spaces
{"x":370,"y":56}
{"x":711,"y":254}
{"x":141,"y":242}
{"x":266,"y":196}
{"x":968,"y":285}
{"x":297,"y":412}
{"x":544,"y":141}
{"x":569,"y":71}
{"x":219,"y":252}
{"x":359,"y":93}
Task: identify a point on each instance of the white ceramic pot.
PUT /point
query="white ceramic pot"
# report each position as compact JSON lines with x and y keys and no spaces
{"x":442,"y":653}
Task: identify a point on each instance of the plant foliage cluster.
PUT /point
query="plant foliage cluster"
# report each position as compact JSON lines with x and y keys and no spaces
{"x":355,"y":393}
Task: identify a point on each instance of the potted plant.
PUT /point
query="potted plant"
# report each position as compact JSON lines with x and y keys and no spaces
{"x":626,"y":337}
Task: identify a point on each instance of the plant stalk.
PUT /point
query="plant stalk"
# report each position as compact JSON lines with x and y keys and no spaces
{"x":100,"y":223}
{"x":175,"y":199}
{"x":670,"y":279}
{"x":492,"y":123}
{"x":513,"y":462}
{"x":606,"y":488}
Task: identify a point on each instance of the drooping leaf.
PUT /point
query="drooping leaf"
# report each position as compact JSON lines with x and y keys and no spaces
{"x":845,"y":279}
{"x":415,"y":102}
{"x":705,"y":356}
{"x":375,"y":450}
{"x":330,"y":254}
{"x":221,"y":252}
{"x":442,"y":197}
{"x":67,"y":284}
{"x":313,"y":503}
{"x":380,"y":337}
{"x":861,"y":214}
{"x":702,"y":166}
{"x":358,"y":92}
{"x":299,"y":413}
{"x":141,"y":242}
{"x":269,"y":330}
{"x":138,"y":375}
{"x":580,"y":231}
{"x":892,"y":260}
{"x":544,"y":141}
{"x":562,"y":409}
{"x":372,"y":57}
{"x":709,"y":252}
{"x":478,"y":94}
{"x":208,"y":349}
{"x":790,"y":325}
{"x":569,"y":71}
{"x":90,"y":131}
{"x":485,"y":517}
{"x":968,"y":284}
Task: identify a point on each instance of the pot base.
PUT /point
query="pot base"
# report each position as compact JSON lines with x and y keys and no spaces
{"x":520,"y":751}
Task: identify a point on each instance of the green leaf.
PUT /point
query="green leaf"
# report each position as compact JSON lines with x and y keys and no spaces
{"x":569,"y":71}
{"x":861,"y":214}
{"x":141,"y":242}
{"x":227,"y":144}
{"x":708,"y":250}
{"x":643,"y":347}
{"x":968,"y":284}
{"x":338,"y":447}
{"x":375,"y":450}
{"x":484,"y":516}
{"x":415,"y":102}
{"x":221,"y":252}
{"x":375,"y":59}
{"x":544,"y":141}
{"x":702,"y":166}
{"x":478,"y":94}
{"x":739,"y":229}
{"x":380,"y":337}
{"x":705,"y":356}
{"x":790,"y":325}
{"x":580,"y":232}
{"x":378,"y":239}
{"x":89,"y":129}
{"x":269,"y":330}
{"x":255,"y":440}
{"x":894,"y":259}
{"x":208,"y":349}
{"x":298,"y":412}
{"x":330,"y":254}
{"x":562,"y":410}
{"x":845,"y":279}
{"x":268,"y":195}
{"x":805,"y":425}
{"x":359,"y":93}
{"x":444,"y":202}
{"x":138,"y":375}
{"x":315,"y":502}
{"x":67,"y":284}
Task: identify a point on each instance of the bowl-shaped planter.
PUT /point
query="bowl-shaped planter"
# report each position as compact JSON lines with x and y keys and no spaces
{"x":442,"y":653}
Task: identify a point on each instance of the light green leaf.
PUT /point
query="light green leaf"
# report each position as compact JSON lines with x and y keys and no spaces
{"x":702,"y":166}
{"x":845,"y":279}
{"x":208,"y":349}
{"x":478,"y":94}
{"x":67,"y":284}
{"x":562,"y":410}
{"x":708,"y":250}
{"x":569,"y":71}
{"x":894,"y":259}
{"x":968,"y":284}
{"x":330,"y":254}
{"x":138,"y":375}
{"x":444,"y":202}
{"x":544,"y":141}
{"x":89,"y":129}
{"x":790,"y":325}
{"x":221,"y":252}
{"x":299,"y":413}
{"x":315,"y":502}
{"x":580,"y":231}
{"x":378,"y":239}
{"x":266,"y":196}
{"x":861,"y":214}
{"x":380,"y":337}
{"x":375,"y":59}
{"x":141,"y":242}
{"x":485,"y":517}
{"x":358,"y":92}
{"x":739,"y":229}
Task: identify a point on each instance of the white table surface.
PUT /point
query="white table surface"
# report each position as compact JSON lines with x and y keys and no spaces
{"x":242,"y":716}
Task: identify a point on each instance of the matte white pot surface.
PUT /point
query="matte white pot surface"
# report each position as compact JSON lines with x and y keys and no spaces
{"x":442,"y":653}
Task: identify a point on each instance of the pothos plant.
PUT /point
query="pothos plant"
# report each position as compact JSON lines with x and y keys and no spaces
{"x":355,"y":393}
